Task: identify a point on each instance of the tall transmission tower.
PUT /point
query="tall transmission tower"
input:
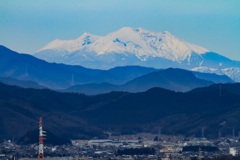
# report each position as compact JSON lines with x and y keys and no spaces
{"x":41,"y":138}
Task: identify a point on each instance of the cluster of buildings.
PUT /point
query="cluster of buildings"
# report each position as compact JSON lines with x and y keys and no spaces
{"x":165,"y":148}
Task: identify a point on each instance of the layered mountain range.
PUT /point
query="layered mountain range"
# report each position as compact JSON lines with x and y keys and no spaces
{"x":29,"y":72}
{"x":137,"y":46}
{"x":178,"y":80}
{"x":140,"y":93}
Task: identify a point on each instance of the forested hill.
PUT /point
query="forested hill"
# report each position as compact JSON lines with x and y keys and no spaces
{"x":75,"y":115}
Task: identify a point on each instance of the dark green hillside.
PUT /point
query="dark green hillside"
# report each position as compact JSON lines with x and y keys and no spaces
{"x":72,"y":115}
{"x":21,"y":108}
{"x":183,"y":113}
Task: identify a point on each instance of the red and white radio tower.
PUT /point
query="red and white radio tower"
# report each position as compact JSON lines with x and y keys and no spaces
{"x":41,"y":138}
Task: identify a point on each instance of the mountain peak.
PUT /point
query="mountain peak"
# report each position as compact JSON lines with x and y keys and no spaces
{"x":71,"y":45}
{"x":86,"y":34}
{"x":166,"y":33}
{"x":126,"y":29}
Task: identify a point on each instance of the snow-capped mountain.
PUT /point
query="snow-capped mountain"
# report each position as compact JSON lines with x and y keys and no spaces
{"x":140,"y":44}
{"x":134,"y":46}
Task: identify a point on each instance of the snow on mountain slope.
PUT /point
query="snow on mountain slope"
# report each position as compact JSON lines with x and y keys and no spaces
{"x":71,"y":45}
{"x":232,"y":72}
{"x":139,"y":42}
{"x":144,"y":43}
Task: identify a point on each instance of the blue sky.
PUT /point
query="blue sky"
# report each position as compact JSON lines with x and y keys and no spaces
{"x":27,"y":25}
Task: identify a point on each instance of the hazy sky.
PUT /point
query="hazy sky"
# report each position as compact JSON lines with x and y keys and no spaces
{"x":27,"y":25}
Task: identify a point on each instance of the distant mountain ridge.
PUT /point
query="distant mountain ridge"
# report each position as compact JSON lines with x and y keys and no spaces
{"x":172,"y":79}
{"x":20,"y":83}
{"x":137,"y":46}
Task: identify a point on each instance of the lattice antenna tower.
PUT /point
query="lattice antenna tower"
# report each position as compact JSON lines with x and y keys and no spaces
{"x":41,"y":138}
